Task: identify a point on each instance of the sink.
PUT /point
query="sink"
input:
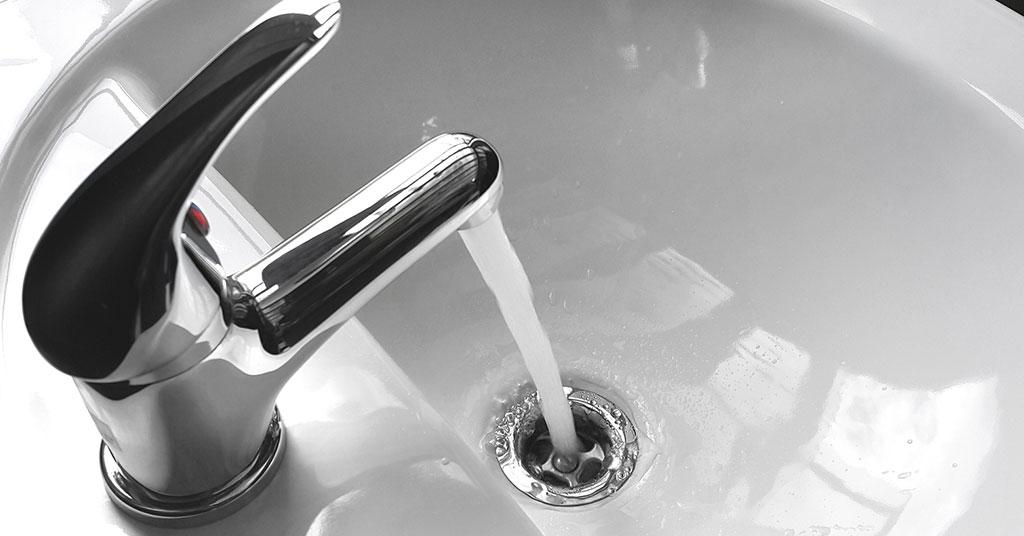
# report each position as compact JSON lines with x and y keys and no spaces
{"x":781,"y":234}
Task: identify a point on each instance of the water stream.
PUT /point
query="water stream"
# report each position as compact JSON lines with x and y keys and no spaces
{"x":504,"y":274}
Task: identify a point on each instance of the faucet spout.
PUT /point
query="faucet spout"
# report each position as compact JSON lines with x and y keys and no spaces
{"x":338,"y":262}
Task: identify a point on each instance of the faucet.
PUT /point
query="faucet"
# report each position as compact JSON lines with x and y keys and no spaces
{"x":179,"y":363}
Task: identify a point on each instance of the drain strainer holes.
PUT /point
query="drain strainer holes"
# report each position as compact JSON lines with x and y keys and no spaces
{"x":607,"y":458}
{"x":540,"y":460}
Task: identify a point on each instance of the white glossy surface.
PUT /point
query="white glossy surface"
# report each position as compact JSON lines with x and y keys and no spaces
{"x":784,"y":231}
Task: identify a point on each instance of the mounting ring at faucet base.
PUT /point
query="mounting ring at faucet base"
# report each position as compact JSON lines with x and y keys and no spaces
{"x":192,"y":510}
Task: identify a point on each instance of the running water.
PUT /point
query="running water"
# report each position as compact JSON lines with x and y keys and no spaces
{"x":500,"y":267}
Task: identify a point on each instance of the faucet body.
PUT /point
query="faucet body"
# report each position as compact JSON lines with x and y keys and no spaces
{"x":179,"y":363}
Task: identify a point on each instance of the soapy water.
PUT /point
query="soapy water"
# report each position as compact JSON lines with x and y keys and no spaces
{"x":504,"y":274}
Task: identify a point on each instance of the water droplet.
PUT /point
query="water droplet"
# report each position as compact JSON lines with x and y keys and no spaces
{"x":910,"y":441}
{"x":445,"y":461}
{"x":955,"y":465}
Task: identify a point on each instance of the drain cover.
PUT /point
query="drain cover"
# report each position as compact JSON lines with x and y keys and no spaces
{"x":522,"y":446}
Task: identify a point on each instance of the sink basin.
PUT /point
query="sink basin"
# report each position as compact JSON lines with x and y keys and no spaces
{"x":782,"y":234}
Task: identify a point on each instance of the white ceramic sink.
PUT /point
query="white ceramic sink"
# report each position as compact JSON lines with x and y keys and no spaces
{"x":784,"y":233}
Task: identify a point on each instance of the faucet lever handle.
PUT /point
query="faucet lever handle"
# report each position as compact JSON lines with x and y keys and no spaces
{"x":100,"y":288}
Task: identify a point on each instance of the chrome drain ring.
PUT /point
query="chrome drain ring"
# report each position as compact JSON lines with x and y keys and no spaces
{"x":609,"y":439}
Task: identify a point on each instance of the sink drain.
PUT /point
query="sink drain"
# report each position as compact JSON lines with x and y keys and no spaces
{"x":525,"y":454}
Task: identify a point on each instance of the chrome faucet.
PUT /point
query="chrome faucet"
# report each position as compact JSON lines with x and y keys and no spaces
{"x":180,"y":363}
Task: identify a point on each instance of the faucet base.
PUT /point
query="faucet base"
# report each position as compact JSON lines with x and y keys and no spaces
{"x":164,"y":510}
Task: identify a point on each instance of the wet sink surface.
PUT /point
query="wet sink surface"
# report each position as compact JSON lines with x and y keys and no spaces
{"x":785,"y":237}
{"x":783,"y":233}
